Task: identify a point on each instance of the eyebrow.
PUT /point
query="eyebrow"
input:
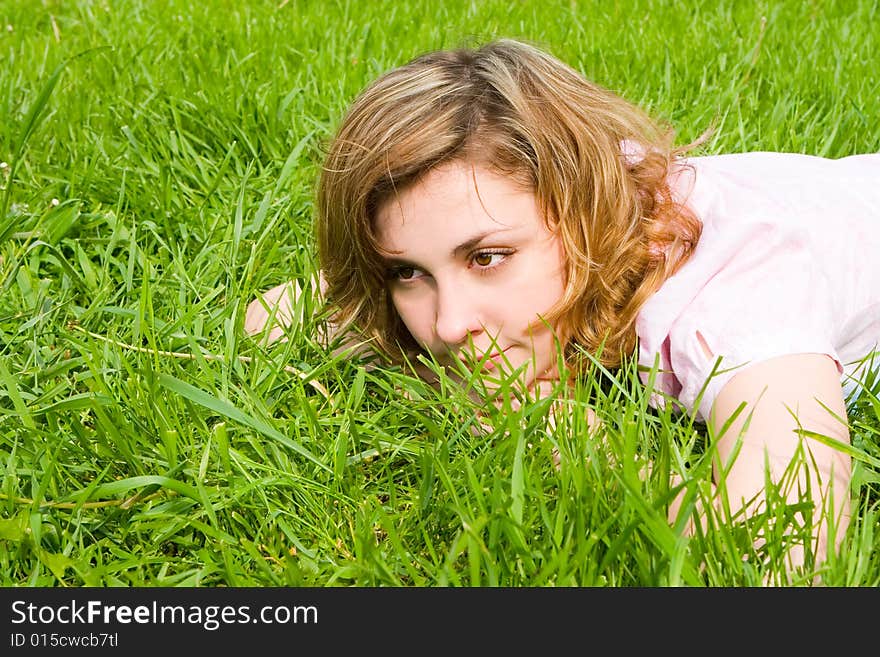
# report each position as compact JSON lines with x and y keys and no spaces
{"x":464,"y":247}
{"x":468,"y":245}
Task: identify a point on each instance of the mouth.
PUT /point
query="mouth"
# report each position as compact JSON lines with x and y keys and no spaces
{"x":494,"y":359}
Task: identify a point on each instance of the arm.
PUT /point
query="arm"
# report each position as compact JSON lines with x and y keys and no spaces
{"x":782,"y":395}
{"x":273,"y":311}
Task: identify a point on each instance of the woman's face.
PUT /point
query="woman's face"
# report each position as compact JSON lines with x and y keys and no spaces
{"x":473,"y":270}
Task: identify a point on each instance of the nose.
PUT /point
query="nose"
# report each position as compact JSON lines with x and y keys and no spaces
{"x":457,"y":315}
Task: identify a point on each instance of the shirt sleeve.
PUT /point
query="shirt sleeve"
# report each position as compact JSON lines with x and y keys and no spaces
{"x":770,"y":298}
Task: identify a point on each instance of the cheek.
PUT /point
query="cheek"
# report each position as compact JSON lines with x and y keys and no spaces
{"x":415,"y":313}
{"x":543,"y":283}
{"x":535,"y":299}
{"x":554,"y":289}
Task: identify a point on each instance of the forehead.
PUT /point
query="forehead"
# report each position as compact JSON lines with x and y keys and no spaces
{"x":454,"y":199}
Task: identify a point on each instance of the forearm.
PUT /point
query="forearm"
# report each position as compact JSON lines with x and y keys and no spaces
{"x":800,"y":470}
{"x":793,"y":416}
{"x":277,"y":310}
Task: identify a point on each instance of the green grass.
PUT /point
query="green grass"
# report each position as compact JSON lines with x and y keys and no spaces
{"x":160,"y":165}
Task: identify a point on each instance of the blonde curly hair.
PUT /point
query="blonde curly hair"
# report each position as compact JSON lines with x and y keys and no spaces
{"x":597,"y":164}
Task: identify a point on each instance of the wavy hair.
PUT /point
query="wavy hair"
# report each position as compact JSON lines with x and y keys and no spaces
{"x":597,"y":164}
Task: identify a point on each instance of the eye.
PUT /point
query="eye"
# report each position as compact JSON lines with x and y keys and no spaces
{"x":490,"y":259}
{"x":404,"y":273}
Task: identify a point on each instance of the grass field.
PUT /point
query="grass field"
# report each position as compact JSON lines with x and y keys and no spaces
{"x":158,"y":167}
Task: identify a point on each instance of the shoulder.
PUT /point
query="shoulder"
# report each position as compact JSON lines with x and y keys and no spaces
{"x":753,"y":291}
{"x":795,"y":179}
{"x":772,"y":274}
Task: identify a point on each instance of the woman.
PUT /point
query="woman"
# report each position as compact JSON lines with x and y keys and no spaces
{"x":494,"y":207}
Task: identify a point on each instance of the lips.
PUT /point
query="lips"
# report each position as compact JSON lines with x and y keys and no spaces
{"x":493,"y":359}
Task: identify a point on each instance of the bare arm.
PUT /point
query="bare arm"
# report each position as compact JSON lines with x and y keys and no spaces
{"x":783,"y":395}
{"x":272,"y":312}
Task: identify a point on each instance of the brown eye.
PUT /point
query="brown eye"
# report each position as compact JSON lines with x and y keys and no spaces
{"x":404,"y":273}
{"x":483,"y":259}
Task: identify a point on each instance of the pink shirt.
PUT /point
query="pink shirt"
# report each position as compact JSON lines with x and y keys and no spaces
{"x":788,"y":262}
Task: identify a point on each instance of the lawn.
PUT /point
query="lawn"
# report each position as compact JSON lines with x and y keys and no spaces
{"x":157,"y":170}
